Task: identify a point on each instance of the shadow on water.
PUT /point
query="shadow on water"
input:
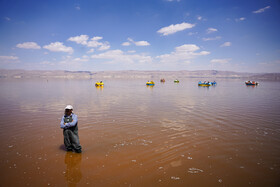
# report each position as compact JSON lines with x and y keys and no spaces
{"x":73,"y":173}
{"x":62,"y":147}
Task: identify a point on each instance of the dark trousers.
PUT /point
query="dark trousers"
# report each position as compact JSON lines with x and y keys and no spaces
{"x":71,"y":138}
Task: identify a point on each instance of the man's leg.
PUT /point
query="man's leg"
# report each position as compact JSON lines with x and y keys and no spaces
{"x":74,"y":139}
{"x":76,"y":142}
{"x":67,"y":139}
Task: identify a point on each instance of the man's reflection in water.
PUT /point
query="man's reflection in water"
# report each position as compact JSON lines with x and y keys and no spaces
{"x":73,"y":168}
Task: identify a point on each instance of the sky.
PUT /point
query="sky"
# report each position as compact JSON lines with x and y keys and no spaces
{"x":165,"y":35}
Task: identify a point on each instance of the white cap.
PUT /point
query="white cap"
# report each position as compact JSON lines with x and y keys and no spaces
{"x":69,"y":107}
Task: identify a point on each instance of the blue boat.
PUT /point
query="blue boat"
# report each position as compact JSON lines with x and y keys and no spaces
{"x":204,"y":83}
{"x":150,"y":83}
{"x":214,"y":83}
{"x":251,"y":83}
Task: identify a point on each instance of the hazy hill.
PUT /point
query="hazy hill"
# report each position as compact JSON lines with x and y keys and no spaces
{"x":132,"y":74}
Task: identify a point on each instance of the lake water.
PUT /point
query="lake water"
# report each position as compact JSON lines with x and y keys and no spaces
{"x":133,"y":135}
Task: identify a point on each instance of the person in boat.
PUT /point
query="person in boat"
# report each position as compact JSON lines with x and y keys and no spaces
{"x":69,"y":124}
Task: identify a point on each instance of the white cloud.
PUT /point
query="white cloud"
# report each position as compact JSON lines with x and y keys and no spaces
{"x":261,"y":10}
{"x":171,"y":29}
{"x":118,"y":56}
{"x":84,"y":58}
{"x":142,"y":43}
{"x":112,"y":54}
{"x":8,"y":58}
{"x":137,"y":43}
{"x":226,"y":44}
{"x":187,"y":48}
{"x":78,"y":7}
{"x":182,"y":54}
{"x":90,"y":51}
{"x":29,"y":45}
{"x":130,"y":39}
{"x":59,"y":47}
{"x":81,"y":60}
{"x":211,"y":30}
{"x":240,"y":19}
{"x":125,"y":44}
{"x":209,"y":39}
{"x":93,"y":42}
{"x":82,"y":39}
{"x":7,"y":19}
{"x":95,"y":38}
{"x":220,"y":61}
{"x":104,"y":46}
{"x":199,"y":17}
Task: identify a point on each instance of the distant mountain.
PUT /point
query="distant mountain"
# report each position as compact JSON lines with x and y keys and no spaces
{"x":266,"y":76}
{"x":133,"y":74}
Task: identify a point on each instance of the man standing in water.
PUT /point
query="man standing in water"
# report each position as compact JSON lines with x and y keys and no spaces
{"x":69,"y":124}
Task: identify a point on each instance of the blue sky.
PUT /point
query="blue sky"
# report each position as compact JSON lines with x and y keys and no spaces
{"x":101,"y":35}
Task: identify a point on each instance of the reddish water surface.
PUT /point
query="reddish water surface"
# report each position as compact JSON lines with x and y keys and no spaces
{"x":134,"y":135}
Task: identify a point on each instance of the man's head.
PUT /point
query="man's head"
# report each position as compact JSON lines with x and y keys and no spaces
{"x":68,"y":110}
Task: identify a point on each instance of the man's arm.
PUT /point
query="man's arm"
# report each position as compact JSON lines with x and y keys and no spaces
{"x":74,"y":122}
{"x":62,"y":124}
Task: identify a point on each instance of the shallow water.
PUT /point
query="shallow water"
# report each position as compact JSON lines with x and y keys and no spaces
{"x":134,"y":135}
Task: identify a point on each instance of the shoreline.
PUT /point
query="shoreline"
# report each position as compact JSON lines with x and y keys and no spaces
{"x":134,"y":74}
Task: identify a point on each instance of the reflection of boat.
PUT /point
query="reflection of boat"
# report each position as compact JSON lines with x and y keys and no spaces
{"x":99,"y":87}
{"x":150,"y":83}
{"x":162,"y":80}
{"x":176,"y":81}
{"x":99,"y":83}
{"x":251,"y":83}
{"x":204,"y":83}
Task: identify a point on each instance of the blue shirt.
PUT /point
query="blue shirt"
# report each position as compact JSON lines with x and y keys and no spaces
{"x":70,"y":124}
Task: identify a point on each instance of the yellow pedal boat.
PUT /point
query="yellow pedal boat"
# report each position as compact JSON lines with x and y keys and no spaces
{"x":99,"y":83}
{"x":150,"y":83}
